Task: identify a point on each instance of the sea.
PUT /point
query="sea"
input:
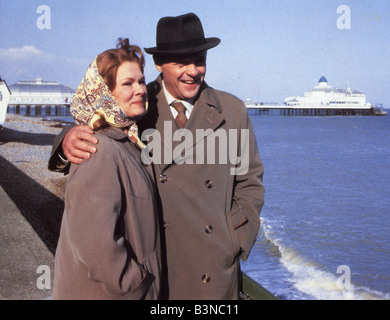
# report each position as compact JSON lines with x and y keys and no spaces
{"x":325,"y":224}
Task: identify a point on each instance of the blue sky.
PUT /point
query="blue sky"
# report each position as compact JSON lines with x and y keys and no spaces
{"x":269,"y":49}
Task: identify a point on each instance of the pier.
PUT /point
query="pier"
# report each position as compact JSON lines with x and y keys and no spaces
{"x":283,"y":110}
{"x":322,"y":100}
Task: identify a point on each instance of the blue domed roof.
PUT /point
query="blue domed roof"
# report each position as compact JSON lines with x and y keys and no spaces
{"x":323,"y":79}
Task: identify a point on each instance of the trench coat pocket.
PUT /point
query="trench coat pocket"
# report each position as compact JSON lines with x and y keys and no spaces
{"x":237,"y":215}
{"x":141,"y":290}
{"x":237,"y":220}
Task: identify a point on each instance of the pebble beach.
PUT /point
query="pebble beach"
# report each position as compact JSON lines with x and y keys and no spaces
{"x":31,"y":207}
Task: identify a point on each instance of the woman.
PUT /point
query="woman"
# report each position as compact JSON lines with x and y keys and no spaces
{"x":109,"y":245}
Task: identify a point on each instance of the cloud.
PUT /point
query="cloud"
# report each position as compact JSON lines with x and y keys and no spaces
{"x":21,"y":52}
{"x":29,"y":62}
{"x":20,"y":55}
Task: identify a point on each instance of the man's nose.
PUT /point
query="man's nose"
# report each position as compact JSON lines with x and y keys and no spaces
{"x":192,"y":70}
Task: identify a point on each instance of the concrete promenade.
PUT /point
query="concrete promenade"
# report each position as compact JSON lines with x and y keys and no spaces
{"x":31,"y":206}
{"x":21,"y":253}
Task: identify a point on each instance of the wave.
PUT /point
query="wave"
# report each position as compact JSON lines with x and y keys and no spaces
{"x":311,"y":278}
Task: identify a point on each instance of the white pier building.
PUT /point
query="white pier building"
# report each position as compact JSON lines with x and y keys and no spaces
{"x":322,"y":100}
{"x":324,"y":96}
{"x":39,"y":98}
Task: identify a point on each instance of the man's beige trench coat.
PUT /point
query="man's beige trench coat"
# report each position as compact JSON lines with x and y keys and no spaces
{"x":109,"y":246}
{"x":210,"y":215}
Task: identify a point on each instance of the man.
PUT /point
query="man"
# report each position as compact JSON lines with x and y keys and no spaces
{"x":209,"y":208}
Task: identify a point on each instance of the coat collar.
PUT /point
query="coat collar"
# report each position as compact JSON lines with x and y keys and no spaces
{"x":207,"y":108}
{"x":207,"y":114}
{"x":114,"y":133}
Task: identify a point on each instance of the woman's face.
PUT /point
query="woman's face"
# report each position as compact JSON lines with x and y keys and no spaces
{"x":130,"y":90}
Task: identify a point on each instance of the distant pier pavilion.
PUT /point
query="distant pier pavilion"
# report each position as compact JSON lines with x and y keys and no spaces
{"x":39,"y":98}
{"x":322,"y":100}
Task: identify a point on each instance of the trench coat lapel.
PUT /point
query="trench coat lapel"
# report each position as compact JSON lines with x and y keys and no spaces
{"x":207,"y":114}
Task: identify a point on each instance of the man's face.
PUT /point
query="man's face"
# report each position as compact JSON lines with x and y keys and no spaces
{"x":183,"y":74}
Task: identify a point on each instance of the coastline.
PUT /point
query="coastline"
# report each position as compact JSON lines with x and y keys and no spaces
{"x":31,"y":205}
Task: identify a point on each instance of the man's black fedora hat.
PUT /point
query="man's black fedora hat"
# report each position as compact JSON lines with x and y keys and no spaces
{"x":181,"y":35}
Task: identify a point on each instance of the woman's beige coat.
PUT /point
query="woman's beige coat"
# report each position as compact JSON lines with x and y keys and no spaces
{"x":109,"y":246}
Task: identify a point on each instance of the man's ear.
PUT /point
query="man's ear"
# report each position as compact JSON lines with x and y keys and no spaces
{"x":157,"y":62}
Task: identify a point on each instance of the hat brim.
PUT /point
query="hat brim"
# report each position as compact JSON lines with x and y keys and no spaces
{"x":209,"y":44}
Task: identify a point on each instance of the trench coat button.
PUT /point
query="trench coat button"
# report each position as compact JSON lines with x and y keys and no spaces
{"x":206,"y":278}
{"x":209,"y":184}
{"x":209,"y":229}
{"x":162,"y":178}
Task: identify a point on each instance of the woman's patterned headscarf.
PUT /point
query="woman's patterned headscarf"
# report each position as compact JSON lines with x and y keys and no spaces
{"x":93,"y":100}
